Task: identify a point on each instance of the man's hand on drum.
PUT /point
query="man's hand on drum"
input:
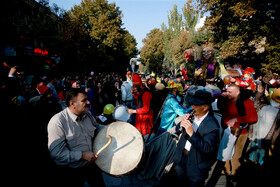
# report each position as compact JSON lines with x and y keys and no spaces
{"x":187,"y":125}
{"x":131,"y":111}
{"x":89,"y":156}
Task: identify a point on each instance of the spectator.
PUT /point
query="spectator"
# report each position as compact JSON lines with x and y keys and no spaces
{"x":51,"y":83}
{"x":126,"y":94}
{"x":266,"y":130}
{"x":231,"y":120}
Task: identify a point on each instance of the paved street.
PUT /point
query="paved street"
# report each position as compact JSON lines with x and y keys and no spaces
{"x":132,"y":180}
{"x":249,"y":175}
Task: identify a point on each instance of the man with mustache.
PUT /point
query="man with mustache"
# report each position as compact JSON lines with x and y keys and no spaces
{"x":70,"y":138}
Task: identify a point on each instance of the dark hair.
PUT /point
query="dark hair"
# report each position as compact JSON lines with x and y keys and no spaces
{"x":72,"y":93}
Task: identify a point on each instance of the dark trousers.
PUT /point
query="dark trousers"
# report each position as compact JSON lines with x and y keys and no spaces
{"x":216,"y":174}
{"x":178,"y":175}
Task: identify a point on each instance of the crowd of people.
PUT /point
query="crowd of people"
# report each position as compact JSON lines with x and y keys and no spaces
{"x":236,"y":120}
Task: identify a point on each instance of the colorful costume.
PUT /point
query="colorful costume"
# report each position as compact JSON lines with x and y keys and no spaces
{"x":208,"y":68}
{"x":144,"y":114}
{"x":247,"y":86}
{"x":171,"y":110}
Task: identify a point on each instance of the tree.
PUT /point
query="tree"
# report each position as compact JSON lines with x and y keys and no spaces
{"x":152,"y":53}
{"x":178,"y":46}
{"x":238,"y":24}
{"x":94,"y":30}
{"x":175,"y":26}
{"x":201,"y":37}
{"x":176,"y":37}
{"x":128,"y":44}
{"x":175,"y":23}
{"x":190,"y":15}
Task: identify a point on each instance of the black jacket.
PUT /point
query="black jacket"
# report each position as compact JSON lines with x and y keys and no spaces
{"x":203,"y":152}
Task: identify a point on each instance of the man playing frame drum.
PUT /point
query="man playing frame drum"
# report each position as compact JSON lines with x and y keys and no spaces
{"x":70,"y":135}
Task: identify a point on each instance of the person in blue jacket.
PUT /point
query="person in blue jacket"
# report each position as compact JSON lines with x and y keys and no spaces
{"x":172,"y":108}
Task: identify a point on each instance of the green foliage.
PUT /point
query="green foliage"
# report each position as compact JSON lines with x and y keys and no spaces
{"x":152,"y":53}
{"x":177,"y":36}
{"x":201,"y":37}
{"x":238,"y":24}
{"x":190,"y":15}
{"x":178,"y":46}
{"x":175,"y":39}
{"x":94,"y":35}
{"x":274,"y":54}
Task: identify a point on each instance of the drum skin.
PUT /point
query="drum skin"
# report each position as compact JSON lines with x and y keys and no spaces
{"x":124,"y":153}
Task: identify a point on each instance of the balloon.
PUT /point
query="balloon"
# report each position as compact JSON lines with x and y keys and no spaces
{"x":108,"y":109}
{"x":227,"y":79}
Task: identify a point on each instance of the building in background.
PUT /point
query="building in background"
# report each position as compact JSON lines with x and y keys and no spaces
{"x":29,"y":35}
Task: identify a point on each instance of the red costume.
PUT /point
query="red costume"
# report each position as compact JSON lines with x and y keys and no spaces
{"x":230,"y":111}
{"x":144,"y":114}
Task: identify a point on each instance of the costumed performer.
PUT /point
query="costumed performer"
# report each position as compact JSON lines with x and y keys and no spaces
{"x":172,"y":108}
{"x":144,"y":113}
{"x":208,"y":67}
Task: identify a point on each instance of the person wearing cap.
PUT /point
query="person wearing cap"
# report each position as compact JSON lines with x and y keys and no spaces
{"x":197,"y":148}
{"x":144,"y":113}
{"x":172,"y":108}
{"x":190,"y":91}
{"x":180,"y":84}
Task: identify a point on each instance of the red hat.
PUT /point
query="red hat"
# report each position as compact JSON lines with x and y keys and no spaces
{"x":250,"y":70}
{"x":43,"y":89}
{"x":136,"y":80}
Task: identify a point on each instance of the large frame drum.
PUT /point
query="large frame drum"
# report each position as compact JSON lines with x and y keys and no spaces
{"x":124,"y":153}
